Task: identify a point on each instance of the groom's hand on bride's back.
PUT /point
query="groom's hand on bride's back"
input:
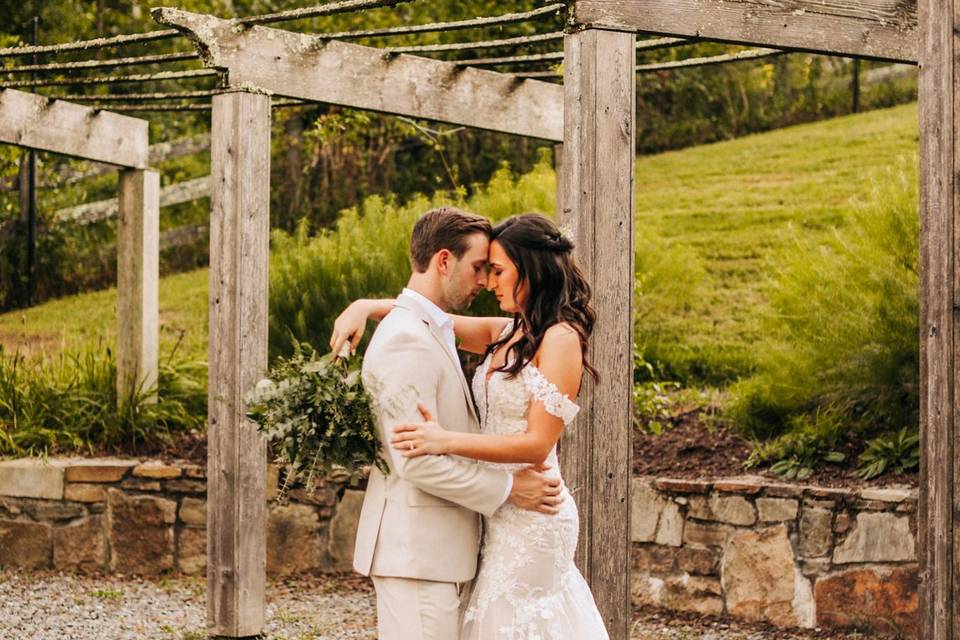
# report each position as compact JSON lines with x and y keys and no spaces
{"x":534,"y":491}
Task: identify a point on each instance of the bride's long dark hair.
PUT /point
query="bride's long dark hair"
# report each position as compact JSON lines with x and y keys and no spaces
{"x":557,"y":291}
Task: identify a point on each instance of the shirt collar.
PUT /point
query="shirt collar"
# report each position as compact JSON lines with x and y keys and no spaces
{"x":436,"y":313}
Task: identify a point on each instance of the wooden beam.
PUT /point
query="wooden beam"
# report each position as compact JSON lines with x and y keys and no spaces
{"x":187,"y":234}
{"x":875,"y":29}
{"x":138,"y":282}
{"x":56,"y":176}
{"x":177,"y":193}
{"x":352,"y":75}
{"x":36,"y":122}
{"x":239,"y":253}
{"x":598,"y":160}
{"x":938,"y":538}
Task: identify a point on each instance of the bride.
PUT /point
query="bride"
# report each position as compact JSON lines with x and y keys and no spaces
{"x":527,"y":586}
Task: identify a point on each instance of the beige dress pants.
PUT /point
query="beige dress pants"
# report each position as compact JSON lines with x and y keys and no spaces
{"x":410,"y":609}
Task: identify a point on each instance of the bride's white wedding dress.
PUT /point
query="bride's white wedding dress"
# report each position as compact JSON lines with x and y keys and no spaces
{"x":528,"y":587}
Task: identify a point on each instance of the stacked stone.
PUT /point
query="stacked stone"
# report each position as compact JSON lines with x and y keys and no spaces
{"x":149,"y":517}
{"x":792,"y":555}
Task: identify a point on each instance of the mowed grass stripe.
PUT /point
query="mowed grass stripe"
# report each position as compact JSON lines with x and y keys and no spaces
{"x":737,"y":203}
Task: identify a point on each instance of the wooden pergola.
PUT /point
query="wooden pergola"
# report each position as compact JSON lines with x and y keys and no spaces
{"x":592,"y":116}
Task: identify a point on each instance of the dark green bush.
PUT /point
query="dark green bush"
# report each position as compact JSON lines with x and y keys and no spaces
{"x":811,"y":442}
{"x":844,"y":324}
{"x":898,"y":452}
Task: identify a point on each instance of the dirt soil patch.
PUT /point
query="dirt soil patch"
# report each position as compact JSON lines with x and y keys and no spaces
{"x":189,"y":446}
{"x":694,"y":448}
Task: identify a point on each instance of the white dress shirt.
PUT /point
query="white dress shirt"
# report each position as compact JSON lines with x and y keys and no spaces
{"x":445,"y":322}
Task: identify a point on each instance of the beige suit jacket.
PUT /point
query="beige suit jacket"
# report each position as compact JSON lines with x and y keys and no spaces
{"x":421,"y":521}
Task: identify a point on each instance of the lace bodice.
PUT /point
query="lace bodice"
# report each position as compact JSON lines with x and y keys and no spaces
{"x":504,"y":402}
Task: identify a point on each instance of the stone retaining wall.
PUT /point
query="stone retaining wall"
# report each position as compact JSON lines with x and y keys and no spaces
{"x":787,"y":554}
{"x":791,"y":555}
{"x":133,"y":517}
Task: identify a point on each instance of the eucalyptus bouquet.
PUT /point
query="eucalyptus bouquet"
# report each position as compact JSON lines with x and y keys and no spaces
{"x":315,"y":412}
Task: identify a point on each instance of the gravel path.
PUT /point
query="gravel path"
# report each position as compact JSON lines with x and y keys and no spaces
{"x":64,"y":607}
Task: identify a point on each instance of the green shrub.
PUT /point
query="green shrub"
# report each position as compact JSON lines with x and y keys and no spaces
{"x":844,"y":324}
{"x":652,"y":405}
{"x":652,"y":402}
{"x":898,"y":452}
{"x":810,"y":443}
{"x":313,"y":278}
{"x":69,"y":403}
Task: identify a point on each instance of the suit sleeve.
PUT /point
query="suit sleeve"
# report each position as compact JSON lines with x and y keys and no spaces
{"x":402,"y":375}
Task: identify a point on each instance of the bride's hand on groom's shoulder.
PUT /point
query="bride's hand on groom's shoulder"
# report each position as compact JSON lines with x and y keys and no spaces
{"x":414,"y":439}
{"x":348,"y":328}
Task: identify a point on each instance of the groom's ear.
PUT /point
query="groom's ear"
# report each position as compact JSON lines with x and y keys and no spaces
{"x":443,"y":260}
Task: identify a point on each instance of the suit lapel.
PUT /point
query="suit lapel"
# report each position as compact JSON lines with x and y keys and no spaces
{"x":410,"y":304}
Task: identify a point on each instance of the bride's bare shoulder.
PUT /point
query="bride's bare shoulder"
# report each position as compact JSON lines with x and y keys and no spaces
{"x":562,"y":334}
{"x":560,"y":341}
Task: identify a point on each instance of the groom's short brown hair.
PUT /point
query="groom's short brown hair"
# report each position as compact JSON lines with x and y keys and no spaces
{"x":443,"y":228}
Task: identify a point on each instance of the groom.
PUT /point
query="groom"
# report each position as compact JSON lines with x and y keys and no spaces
{"x":419,"y":530}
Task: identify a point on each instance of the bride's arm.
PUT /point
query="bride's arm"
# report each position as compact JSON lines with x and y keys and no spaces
{"x":560,"y":362}
{"x":474,"y":334}
{"x":352,"y":321}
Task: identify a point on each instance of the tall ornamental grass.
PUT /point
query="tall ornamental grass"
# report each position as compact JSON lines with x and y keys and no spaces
{"x":668,"y":281}
{"x":51,"y":405}
{"x":313,"y":278}
{"x":843,"y":331}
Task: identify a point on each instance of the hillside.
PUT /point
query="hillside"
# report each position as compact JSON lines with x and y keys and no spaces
{"x":731,"y":203}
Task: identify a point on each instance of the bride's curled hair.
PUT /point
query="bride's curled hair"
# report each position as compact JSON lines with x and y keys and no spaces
{"x":557,"y":291}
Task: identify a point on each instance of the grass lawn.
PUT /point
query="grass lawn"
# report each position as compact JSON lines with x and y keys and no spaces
{"x":736,"y":203}
{"x":733,"y":203}
{"x":91,"y":319}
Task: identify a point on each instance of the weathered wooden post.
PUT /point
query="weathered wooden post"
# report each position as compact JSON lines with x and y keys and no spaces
{"x":138,"y":281}
{"x":939,"y":332}
{"x":598,"y":158}
{"x":239,"y":253}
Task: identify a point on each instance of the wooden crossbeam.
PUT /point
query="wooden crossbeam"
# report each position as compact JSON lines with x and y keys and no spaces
{"x":300,"y":66}
{"x":874,"y":29}
{"x":186,"y":191}
{"x":60,"y":174}
{"x":36,"y":122}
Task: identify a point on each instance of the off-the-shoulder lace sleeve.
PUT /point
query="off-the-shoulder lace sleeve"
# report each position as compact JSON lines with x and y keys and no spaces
{"x":556,"y":403}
